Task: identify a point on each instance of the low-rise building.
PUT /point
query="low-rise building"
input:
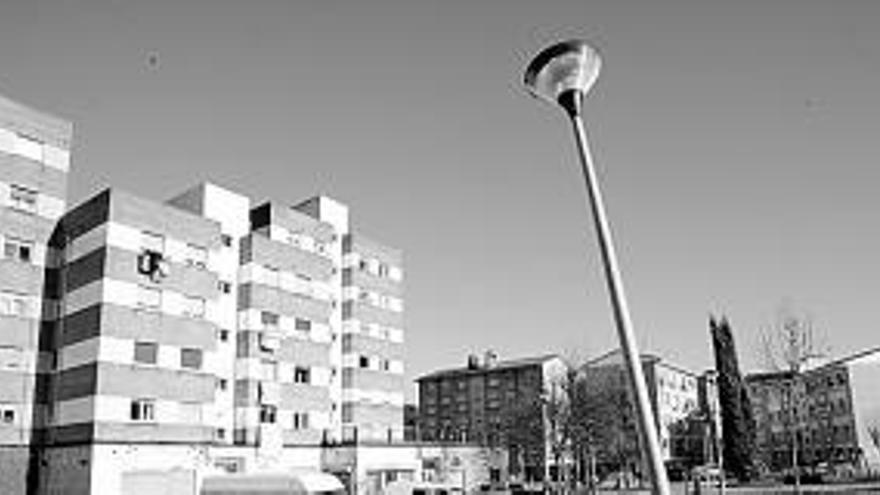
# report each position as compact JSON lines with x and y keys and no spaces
{"x":826,"y":414}
{"x":478,"y":403}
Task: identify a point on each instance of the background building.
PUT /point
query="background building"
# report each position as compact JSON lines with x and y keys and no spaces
{"x":685,"y":406}
{"x":34,"y":161}
{"x":832,"y":409}
{"x":488,"y":402}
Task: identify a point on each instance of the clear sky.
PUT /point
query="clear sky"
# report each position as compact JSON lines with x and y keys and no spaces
{"x":737,"y":142}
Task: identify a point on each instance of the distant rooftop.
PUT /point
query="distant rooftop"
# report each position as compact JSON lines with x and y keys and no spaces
{"x":614,"y":357}
{"x":474,"y":368}
{"x":870,"y":353}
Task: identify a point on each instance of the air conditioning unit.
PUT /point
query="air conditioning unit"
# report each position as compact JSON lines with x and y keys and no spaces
{"x":163,"y":268}
{"x":153,"y":264}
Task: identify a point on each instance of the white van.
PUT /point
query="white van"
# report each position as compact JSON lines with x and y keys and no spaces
{"x":272,"y":484}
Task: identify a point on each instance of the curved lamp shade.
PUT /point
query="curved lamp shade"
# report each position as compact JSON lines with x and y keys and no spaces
{"x":565,"y":66}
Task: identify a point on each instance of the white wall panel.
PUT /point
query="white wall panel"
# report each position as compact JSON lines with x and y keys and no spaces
{"x":56,"y":157}
{"x":49,"y":207}
{"x":124,"y":237}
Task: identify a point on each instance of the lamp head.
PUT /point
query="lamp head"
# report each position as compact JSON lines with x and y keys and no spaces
{"x":564,"y":73}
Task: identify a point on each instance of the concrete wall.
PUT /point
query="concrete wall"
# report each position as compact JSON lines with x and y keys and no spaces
{"x":13,"y":469}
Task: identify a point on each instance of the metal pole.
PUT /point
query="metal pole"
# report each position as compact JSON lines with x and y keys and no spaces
{"x":647,"y":427}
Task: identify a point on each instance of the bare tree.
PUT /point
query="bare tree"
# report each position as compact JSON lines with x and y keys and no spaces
{"x":604,"y":429}
{"x":558,"y":409}
{"x":589,"y":419}
{"x":789,"y":346}
{"x":522,"y":431}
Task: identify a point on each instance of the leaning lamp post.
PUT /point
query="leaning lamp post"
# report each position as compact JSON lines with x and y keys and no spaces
{"x":563,"y":74}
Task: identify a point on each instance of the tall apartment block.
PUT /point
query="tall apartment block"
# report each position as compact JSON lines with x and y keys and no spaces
{"x":34,"y":160}
{"x":145,"y":343}
{"x":372,"y":341}
{"x":206,"y":330}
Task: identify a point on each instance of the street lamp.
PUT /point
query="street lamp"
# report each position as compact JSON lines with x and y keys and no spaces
{"x":563,"y":74}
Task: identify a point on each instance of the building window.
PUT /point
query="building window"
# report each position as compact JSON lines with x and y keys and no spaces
{"x":364,"y":362}
{"x":191,"y":358}
{"x":268,"y":342}
{"x":149,"y":298}
{"x":303,"y":324}
{"x":22,"y":198}
{"x":394,"y":304}
{"x":226,"y":240}
{"x":269,"y":319}
{"x":221,"y":433}
{"x":196,"y":256}
{"x":18,"y":249}
{"x":194,"y":307}
{"x":300,"y":420}
{"x":143,"y":410}
{"x":224,"y":286}
{"x":269,"y":370}
{"x":146,"y":352}
{"x":301,"y":375}
{"x":383,"y":270}
{"x":14,"y":305}
{"x":222,"y":383}
{"x":268,"y":414}
{"x":7,"y":414}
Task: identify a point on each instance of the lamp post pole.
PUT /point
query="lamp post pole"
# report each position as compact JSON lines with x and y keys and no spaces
{"x":564,"y":73}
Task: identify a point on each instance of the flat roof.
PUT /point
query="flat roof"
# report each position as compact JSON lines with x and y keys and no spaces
{"x":500,"y":365}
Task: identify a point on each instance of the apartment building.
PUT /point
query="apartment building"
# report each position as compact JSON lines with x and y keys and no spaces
{"x":472,"y":403}
{"x":372,"y":341}
{"x":684,"y":403}
{"x":831,"y":410}
{"x":147,"y":342}
{"x":205,"y":332}
{"x":34,"y":162}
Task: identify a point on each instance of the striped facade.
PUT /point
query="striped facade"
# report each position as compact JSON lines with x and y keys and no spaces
{"x":197,"y":333}
{"x":372,"y":341}
{"x":34,"y":161}
{"x":286,"y":303}
{"x":135,"y":351}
